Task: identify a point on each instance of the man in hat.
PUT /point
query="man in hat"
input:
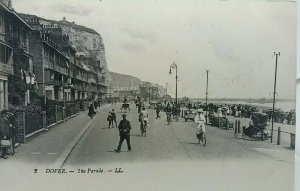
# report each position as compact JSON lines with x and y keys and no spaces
{"x":124,"y":132}
{"x":200,"y":121}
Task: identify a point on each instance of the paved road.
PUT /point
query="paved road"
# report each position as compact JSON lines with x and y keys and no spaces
{"x":168,"y":153}
{"x":164,"y":142}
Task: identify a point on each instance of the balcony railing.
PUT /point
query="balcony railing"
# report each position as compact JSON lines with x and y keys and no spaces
{"x":92,"y":80}
{"x":6,"y":69}
{"x":16,"y":42}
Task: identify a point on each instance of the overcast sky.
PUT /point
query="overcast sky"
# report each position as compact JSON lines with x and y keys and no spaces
{"x":234,"y":39}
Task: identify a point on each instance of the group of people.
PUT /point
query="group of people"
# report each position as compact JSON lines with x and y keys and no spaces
{"x":7,"y":134}
{"x":124,"y":125}
{"x":111,"y":118}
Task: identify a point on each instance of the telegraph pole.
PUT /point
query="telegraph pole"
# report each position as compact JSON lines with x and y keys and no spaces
{"x":274,"y":95}
{"x":174,"y":66}
{"x":176,"y":86}
{"x":166,"y":90}
{"x":206,"y":95}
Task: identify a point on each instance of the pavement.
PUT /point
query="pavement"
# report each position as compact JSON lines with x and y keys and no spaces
{"x":168,"y":153}
{"x":284,"y":135}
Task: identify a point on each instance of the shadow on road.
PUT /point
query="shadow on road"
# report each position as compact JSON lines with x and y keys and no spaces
{"x":136,"y":135}
{"x":191,"y":143}
{"x":116,"y":152}
{"x":247,"y":139}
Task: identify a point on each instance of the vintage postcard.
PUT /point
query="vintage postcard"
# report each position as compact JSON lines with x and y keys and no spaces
{"x":148,"y":95}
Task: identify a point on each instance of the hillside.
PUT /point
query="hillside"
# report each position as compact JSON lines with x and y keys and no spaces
{"x":86,"y":41}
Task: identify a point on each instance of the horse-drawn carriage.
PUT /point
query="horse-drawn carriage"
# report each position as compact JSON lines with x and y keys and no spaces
{"x":257,"y":128}
{"x":125,"y":107}
{"x":220,"y":122}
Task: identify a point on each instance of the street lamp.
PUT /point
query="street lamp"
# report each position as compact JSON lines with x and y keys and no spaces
{"x":273,"y":110}
{"x":174,"y":66}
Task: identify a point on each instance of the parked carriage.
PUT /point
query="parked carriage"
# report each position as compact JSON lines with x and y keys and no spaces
{"x":258,"y":127}
{"x":220,"y":122}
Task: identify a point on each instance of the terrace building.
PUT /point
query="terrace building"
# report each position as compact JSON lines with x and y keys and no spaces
{"x":15,"y":60}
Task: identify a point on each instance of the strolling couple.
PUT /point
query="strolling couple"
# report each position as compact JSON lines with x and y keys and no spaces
{"x":111,"y":118}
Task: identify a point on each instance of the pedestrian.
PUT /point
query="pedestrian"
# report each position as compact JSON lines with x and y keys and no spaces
{"x":114,"y":118}
{"x":157,"y":111}
{"x":91,"y":110}
{"x":12,"y":132}
{"x":124,"y":133}
{"x":95,"y":104}
{"x":200,"y":121}
{"x":168,"y":113}
{"x":4,"y":135}
{"x":109,"y":119}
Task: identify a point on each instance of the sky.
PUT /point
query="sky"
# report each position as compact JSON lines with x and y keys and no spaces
{"x":235,"y":40}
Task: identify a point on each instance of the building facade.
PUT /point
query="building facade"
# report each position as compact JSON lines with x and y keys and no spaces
{"x":62,"y":75}
{"x":15,"y":60}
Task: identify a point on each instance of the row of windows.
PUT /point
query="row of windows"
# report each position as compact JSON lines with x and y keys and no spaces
{"x":54,"y":58}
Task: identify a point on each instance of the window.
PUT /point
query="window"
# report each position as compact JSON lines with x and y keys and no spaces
{"x":15,"y":33}
{"x":5,"y":54}
{"x":2,"y":24}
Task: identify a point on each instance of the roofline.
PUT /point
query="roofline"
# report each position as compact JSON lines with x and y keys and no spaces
{"x":24,"y":22}
{"x":16,"y":14}
{"x":4,"y":6}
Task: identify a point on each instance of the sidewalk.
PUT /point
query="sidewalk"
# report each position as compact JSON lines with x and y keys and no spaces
{"x":48,"y":146}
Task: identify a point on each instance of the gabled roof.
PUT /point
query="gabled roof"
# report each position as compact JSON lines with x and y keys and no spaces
{"x":11,"y":11}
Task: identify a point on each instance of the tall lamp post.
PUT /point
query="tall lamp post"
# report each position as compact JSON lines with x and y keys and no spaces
{"x":274,"y":95}
{"x":206,"y":95}
{"x":174,"y":66}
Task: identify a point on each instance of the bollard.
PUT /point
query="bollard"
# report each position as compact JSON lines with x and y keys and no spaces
{"x":56,"y":114}
{"x":235,"y":125}
{"x":293,"y":136}
{"x":243,"y":130}
{"x":278,"y":136}
{"x":239,"y":126}
{"x":262,"y":135}
{"x":235,"y":130}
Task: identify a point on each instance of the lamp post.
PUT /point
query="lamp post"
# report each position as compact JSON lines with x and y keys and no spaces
{"x":174,"y":66}
{"x":274,"y":95}
{"x":206,"y":95}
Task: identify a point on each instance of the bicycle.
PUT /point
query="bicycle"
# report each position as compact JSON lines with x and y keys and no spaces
{"x":168,"y":118}
{"x":143,"y":128}
{"x":201,"y":138}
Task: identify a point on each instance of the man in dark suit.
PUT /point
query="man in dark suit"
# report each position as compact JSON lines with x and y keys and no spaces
{"x":114,"y":118}
{"x":4,"y":133}
{"x":124,"y":132}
